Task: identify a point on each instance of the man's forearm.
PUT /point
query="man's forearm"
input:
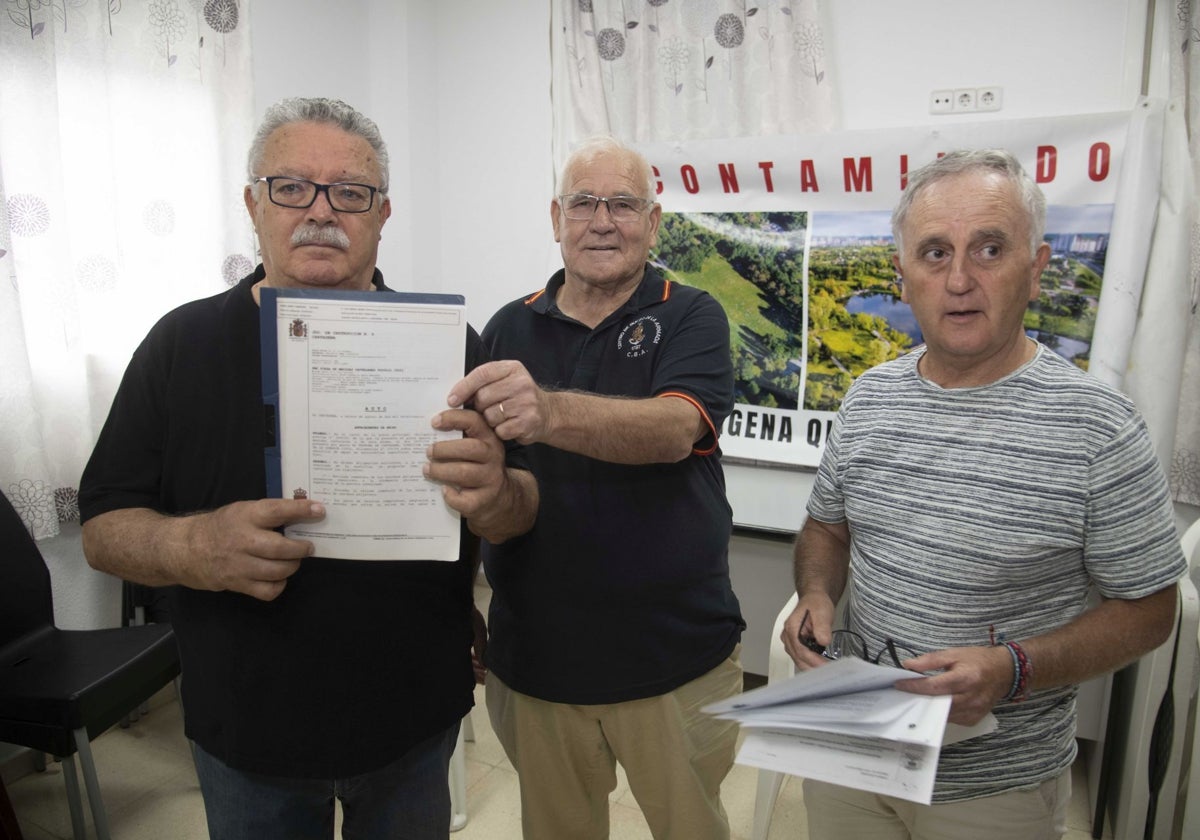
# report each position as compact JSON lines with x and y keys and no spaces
{"x":653,"y":430}
{"x":1101,"y":640}
{"x":513,"y":511}
{"x":1097,"y":642}
{"x":136,"y":544}
{"x":821,"y":559}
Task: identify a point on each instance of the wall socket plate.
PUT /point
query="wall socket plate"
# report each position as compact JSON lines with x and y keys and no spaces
{"x":989,"y":98}
{"x":966,"y":100}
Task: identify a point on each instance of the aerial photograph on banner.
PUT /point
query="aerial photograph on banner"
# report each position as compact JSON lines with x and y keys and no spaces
{"x":855,"y":317}
{"x":857,"y":320}
{"x":753,"y":263}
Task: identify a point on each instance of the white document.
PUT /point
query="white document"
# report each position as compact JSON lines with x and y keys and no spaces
{"x":892,"y":768}
{"x":844,"y":723}
{"x":361,"y":375}
{"x":885,"y":713}
{"x":842,"y":676}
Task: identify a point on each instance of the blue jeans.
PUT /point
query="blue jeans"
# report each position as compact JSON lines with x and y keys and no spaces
{"x":408,"y":799}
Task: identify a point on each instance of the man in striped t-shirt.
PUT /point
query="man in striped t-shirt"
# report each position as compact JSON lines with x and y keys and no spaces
{"x":970,"y":494}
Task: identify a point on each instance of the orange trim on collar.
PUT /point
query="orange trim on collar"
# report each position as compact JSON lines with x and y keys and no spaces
{"x":704,"y":414}
{"x":534,"y":296}
{"x":667,"y":291}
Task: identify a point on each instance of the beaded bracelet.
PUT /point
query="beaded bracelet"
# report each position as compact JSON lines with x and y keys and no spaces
{"x":1022,"y":673}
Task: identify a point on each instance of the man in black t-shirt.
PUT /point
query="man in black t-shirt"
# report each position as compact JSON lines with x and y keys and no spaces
{"x":305,"y":678}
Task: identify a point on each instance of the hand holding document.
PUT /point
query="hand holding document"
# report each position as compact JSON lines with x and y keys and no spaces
{"x":356,"y":378}
{"x":844,"y":723}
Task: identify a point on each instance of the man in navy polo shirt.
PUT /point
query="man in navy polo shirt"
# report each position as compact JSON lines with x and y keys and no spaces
{"x":613,"y":621}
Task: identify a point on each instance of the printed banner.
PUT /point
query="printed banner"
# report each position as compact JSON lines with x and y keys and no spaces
{"x":792,"y":235}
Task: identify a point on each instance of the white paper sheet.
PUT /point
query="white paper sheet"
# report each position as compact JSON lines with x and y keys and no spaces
{"x":844,"y":723}
{"x":885,"y":713}
{"x":842,"y":676}
{"x":360,"y":378}
{"x":893,"y":768}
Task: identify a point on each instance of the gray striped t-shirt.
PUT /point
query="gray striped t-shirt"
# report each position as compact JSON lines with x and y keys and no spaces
{"x":992,"y":509}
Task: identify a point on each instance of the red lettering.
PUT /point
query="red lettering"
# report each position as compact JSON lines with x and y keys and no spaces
{"x":658,"y":184}
{"x":808,"y":177}
{"x":765,"y":166}
{"x":903,"y":171}
{"x":690,"y":183}
{"x":856,"y":178}
{"x":1099,"y":160}
{"x":728,"y":177}
{"x":1047,"y":164}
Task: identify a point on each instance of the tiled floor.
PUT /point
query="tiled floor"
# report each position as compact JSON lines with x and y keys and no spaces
{"x":150,"y":790}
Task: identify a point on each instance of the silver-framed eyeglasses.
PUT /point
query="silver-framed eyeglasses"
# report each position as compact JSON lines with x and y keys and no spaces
{"x":848,"y":643}
{"x":300,"y":193}
{"x":580,"y":207}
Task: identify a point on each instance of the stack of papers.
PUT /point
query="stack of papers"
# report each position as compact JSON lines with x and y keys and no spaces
{"x":844,"y":723}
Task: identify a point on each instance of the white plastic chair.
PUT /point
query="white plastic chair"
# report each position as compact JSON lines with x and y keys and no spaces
{"x":779,"y":667}
{"x":458,"y":776}
{"x":1188,"y":811}
{"x":1148,"y":758}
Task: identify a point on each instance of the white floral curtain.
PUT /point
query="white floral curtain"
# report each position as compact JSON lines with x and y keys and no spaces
{"x":123,"y":133}
{"x":661,"y":70}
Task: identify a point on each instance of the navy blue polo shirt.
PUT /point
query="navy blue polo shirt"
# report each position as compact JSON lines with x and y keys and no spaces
{"x":621,"y":590}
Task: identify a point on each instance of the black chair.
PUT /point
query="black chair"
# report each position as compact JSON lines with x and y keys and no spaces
{"x":141,"y":604}
{"x":61,"y":688}
{"x":9,"y":830}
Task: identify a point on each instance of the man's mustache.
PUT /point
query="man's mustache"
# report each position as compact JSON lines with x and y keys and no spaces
{"x":311,"y":234}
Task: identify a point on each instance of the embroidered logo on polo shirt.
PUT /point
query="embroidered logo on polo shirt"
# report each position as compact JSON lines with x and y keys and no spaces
{"x":637,"y":335}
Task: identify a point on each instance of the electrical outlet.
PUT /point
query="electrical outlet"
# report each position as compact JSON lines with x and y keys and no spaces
{"x":966,"y":100}
{"x":989,"y":98}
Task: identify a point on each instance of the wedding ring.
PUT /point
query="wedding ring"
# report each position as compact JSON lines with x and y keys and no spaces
{"x":501,"y":410}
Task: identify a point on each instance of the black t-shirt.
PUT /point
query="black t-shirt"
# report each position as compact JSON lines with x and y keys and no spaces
{"x":621,"y":590}
{"x":356,"y":661}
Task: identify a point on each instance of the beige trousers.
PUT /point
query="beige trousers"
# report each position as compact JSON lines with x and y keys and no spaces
{"x":674,"y":756}
{"x":840,"y":813}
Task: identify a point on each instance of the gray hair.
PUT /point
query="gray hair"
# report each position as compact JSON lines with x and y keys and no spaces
{"x":332,"y":111}
{"x":603,"y":144}
{"x":971,"y":160}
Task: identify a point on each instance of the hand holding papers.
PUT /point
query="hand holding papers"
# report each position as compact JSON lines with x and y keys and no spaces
{"x":356,"y":378}
{"x":843,"y":723}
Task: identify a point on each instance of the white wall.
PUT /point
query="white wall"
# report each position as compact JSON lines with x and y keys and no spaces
{"x":1050,"y":58}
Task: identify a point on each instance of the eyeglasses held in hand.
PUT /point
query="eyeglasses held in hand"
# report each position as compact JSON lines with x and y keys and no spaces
{"x":848,"y":643}
{"x":299,"y":193}
{"x":580,"y":207}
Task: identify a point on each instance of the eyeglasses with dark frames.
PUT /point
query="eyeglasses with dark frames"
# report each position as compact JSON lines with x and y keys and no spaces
{"x":580,"y":207}
{"x":848,"y":643}
{"x":300,"y":193}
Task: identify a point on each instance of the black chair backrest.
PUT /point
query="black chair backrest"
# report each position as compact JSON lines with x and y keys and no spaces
{"x":25,"y":599}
